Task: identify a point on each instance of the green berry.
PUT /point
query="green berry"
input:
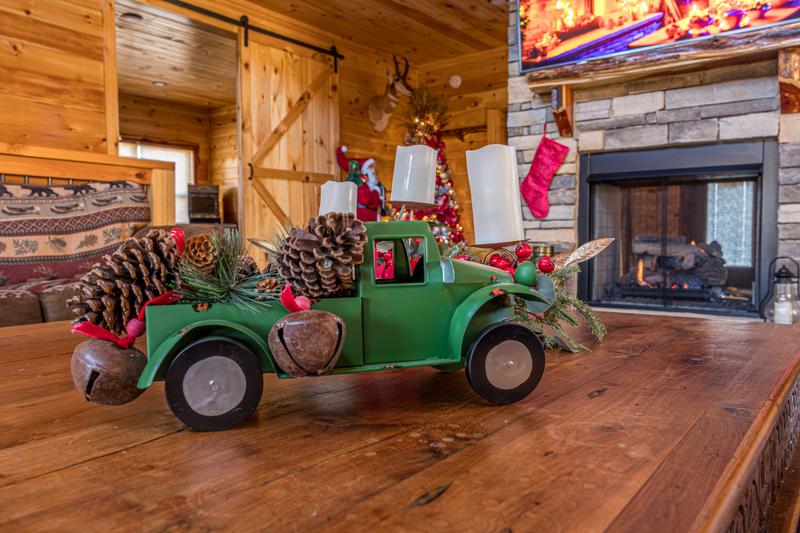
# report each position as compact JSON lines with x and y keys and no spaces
{"x":526,"y":274}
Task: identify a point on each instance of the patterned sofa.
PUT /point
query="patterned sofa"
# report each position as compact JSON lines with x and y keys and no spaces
{"x":51,"y":235}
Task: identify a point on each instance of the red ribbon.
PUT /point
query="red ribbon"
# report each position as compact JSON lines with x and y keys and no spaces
{"x":292,"y":304}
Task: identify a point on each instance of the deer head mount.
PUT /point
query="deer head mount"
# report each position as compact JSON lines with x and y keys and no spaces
{"x":382,"y":106}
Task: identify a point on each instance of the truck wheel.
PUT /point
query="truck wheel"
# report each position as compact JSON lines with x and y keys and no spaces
{"x":505,"y":363}
{"x":214,"y":384}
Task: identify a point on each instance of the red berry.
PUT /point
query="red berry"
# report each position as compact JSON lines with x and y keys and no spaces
{"x":546,"y":264}
{"x":461,"y":258}
{"x":387,"y":256}
{"x":523,"y":251}
{"x":495,"y":259}
{"x":511,"y":271}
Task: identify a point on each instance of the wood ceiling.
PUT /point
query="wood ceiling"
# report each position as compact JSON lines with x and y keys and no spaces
{"x":196,"y":61}
{"x":422,"y":30}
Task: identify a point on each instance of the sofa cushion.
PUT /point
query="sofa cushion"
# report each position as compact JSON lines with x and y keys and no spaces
{"x":59,"y":232}
{"x":53,"y":301}
{"x":19,"y":307}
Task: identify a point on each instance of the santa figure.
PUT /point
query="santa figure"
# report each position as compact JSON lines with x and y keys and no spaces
{"x":371,"y":193}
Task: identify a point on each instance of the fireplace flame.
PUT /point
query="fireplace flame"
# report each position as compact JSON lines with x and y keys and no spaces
{"x":568,"y":14}
{"x":640,"y":273}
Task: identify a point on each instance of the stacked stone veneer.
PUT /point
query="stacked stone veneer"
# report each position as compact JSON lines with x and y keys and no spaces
{"x":716,"y":105}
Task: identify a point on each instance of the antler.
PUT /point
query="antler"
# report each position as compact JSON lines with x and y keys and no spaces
{"x":397,"y":74}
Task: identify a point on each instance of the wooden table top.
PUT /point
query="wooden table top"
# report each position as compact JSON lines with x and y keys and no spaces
{"x":659,"y":428}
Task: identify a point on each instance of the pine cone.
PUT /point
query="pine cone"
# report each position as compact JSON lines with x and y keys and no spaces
{"x":116,"y":288}
{"x":266,"y":286}
{"x":201,"y":253}
{"x":245,"y":267}
{"x":318,"y":261}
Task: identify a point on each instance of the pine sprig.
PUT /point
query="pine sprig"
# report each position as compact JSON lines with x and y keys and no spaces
{"x":566,"y":310}
{"x":224,"y":284}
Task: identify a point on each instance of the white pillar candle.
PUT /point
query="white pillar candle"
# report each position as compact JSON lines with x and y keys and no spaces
{"x":783,"y":313}
{"x":414,"y":179}
{"x":337,"y":197}
{"x":494,"y":186}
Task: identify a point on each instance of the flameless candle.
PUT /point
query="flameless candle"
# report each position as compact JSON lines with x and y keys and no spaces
{"x":337,"y":197}
{"x":414,"y":179}
{"x":496,"y":207}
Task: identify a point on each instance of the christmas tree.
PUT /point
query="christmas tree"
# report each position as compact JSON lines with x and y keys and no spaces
{"x":427,"y":118}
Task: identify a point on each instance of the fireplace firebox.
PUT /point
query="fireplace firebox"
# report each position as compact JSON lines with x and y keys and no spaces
{"x":695,"y":227}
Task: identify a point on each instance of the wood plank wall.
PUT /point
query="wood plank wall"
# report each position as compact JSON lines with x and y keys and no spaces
{"x":363,"y":76}
{"x":161,"y":122}
{"x":476,"y":106}
{"x":52,"y":67}
{"x":224,"y":159}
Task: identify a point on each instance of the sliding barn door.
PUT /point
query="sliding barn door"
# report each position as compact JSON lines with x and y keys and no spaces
{"x":289,"y":124}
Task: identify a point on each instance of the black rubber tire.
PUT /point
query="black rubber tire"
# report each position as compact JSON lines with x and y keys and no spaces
{"x":479,"y":350}
{"x":203,"y":349}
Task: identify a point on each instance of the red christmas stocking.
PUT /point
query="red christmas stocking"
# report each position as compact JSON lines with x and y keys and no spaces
{"x":548,"y":158}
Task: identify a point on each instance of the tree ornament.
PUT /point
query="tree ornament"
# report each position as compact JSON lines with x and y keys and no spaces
{"x":495,"y":260}
{"x":546,"y":264}
{"x":318,"y":261}
{"x":462,"y":258}
{"x":115,"y":289}
{"x":526,"y":274}
{"x":307,"y":343}
{"x":523,"y":251}
{"x":201,"y":253}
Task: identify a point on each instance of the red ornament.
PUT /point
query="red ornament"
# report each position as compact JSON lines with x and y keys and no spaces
{"x":387,"y":256}
{"x":495,"y":260}
{"x":546,"y":264}
{"x":504,"y":263}
{"x":511,"y":271}
{"x":523,"y":251}
{"x":461,"y":258}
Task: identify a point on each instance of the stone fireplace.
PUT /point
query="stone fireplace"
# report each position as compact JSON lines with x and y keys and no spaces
{"x":664,"y":145}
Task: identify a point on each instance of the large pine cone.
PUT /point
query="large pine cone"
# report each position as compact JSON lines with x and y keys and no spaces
{"x":318,"y":261}
{"x":116,"y":288}
{"x":201,"y":252}
{"x":246,"y":266}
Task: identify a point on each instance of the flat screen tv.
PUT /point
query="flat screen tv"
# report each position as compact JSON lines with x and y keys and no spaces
{"x":558,"y":32}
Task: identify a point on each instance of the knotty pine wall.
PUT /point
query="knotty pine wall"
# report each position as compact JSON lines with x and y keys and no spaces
{"x":161,"y":122}
{"x":477,"y":112}
{"x":54,"y":74}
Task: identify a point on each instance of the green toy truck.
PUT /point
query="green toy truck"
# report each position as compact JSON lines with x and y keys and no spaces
{"x":429,"y":311}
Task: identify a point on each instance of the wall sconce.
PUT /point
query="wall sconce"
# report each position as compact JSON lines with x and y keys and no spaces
{"x":414,"y":179}
{"x":494,"y":185}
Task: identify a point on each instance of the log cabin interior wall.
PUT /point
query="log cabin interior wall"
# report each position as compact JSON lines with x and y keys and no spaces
{"x":52,"y":61}
{"x":192,"y":53}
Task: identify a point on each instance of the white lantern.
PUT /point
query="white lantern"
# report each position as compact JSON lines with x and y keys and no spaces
{"x":414,"y":180}
{"x":337,"y":197}
{"x":494,"y":185}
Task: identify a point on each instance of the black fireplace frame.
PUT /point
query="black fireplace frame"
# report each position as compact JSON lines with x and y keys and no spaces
{"x":760,"y":157}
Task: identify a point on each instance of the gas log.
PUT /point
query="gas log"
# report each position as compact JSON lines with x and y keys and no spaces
{"x":687,"y":264}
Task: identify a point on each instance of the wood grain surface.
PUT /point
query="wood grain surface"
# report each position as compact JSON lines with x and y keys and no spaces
{"x":661,"y":428}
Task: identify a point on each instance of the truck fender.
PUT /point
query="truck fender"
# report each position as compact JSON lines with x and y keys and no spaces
{"x":163,"y":355}
{"x":538,"y":300}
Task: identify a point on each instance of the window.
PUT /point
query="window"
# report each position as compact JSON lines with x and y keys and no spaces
{"x":400,"y":260}
{"x":183,"y":158}
{"x":730,"y":220}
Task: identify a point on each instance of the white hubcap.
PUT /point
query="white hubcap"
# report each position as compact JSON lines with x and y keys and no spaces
{"x":508,"y":365}
{"x":214,"y":386}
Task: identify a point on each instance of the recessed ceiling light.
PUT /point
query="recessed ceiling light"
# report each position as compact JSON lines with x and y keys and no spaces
{"x":159,"y":83}
{"x":131,"y":16}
